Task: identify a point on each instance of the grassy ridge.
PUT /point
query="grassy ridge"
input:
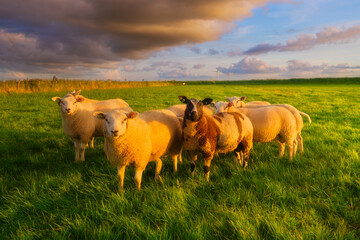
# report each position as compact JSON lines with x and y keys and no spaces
{"x":40,"y":85}
{"x":43,"y":194}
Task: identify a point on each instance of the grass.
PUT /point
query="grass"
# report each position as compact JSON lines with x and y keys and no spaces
{"x":44,"y":194}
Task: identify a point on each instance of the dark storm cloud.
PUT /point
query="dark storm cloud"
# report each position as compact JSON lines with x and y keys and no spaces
{"x":36,"y":34}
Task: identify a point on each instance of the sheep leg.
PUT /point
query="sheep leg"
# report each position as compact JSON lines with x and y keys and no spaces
{"x":239,"y":152}
{"x":300,"y":143}
{"x":295,"y":147}
{"x":158,"y":169}
{"x":82,"y":149}
{"x":180,"y":156}
{"x":290,"y":145}
{"x":77,"y":150}
{"x":193,"y":158}
{"x":175,"y":159}
{"x":246,"y":155}
{"x":92,"y":142}
{"x":137,"y":178}
{"x":207,"y":161}
{"x":239,"y":157}
{"x":281,"y":148}
{"x":121,"y":174}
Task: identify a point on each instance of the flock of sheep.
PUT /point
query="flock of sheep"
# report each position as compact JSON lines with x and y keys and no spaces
{"x":132,"y":138}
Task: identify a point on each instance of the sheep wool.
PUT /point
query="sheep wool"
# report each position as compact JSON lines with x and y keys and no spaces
{"x":136,"y":139}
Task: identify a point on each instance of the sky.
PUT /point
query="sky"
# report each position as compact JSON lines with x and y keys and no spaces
{"x":137,"y":40}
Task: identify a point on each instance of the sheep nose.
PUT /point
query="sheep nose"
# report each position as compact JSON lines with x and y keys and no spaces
{"x":67,"y":109}
{"x":114,"y":132}
{"x":193,"y":115}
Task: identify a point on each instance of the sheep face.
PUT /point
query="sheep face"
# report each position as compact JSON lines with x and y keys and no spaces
{"x":116,"y":122}
{"x":238,"y":102}
{"x":194,"y":107}
{"x":219,"y":107}
{"x":69,"y":104}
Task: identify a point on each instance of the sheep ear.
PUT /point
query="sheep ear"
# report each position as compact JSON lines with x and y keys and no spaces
{"x":99,"y":115}
{"x":73,"y":92}
{"x":183,"y":99}
{"x":132,"y":115}
{"x":78,"y":92}
{"x":242,"y":98}
{"x":80,"y":99}
{"x":207,"y":101}
{"x":228,"y":98}
{"x":56,"y":99}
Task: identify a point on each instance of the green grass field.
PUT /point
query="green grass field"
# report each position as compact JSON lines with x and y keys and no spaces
{"x":45,"y":195}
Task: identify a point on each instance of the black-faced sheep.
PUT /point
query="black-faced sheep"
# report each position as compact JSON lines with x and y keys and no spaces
{"x":220,"y":133}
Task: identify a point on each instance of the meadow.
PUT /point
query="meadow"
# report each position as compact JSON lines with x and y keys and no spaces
{"x":45,"y":195}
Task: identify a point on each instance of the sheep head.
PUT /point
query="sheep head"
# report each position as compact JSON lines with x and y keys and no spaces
{"x":116,"y":122}
{"x":69,"y":104}
{"x":194,"y":107}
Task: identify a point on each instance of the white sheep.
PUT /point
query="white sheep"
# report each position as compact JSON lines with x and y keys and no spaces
{"x":239,"y":102}
{"x":136,"y":139}
{"x":220,"y":133}
{"x":78,"y":122}
{"x":77,"y":94}
{"x":271,"y":123}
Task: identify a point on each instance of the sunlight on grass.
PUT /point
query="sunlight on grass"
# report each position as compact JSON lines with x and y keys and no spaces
{"x":44,"y":194}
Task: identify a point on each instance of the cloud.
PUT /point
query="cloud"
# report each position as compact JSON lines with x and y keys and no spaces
{"x":329,"y":35}
{"x":13,"y":75}
{"x":112,"y":74}
{"x":199,"y":66}
{"x":294,"y":68}
{"x":213,"y":51}
{"x":235,"y":53}
{"x":195,"y":50}
{"x":129,"y":68}
{"x":174,"y":74}
{"x":91,"y":33}
{"x":303,"y":67}
{"x":158,"y":64}
{"x":250,"y":65}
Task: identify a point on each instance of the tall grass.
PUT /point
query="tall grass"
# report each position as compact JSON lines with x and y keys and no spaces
{"x":40,"y":85}
{"x":44,"y":194}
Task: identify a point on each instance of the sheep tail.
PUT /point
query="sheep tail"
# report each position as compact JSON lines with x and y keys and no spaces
{"x":306,"y":115}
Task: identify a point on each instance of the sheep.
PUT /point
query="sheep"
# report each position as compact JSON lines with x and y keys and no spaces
{"x":86,"y":100}
{"x":220,"y":133}
{"x":299,"y":124}
{"x":136,"y":139}
{"x":218,"y":105}
{"x":179,"y":110}
{"x":239,"y":102}
{"x":77,"y":94}
{"x":271,"y":123}
{"x":77,"y":120}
